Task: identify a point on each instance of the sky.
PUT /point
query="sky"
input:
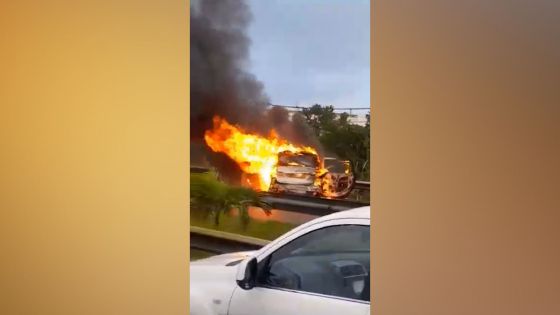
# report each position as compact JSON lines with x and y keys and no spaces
{"x":312,"y":51}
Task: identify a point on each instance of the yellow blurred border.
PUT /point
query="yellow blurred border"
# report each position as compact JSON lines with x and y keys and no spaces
{"x":188,"y":87}
{"x":372,"y":118}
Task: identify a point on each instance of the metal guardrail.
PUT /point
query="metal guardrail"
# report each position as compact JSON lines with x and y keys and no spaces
{"x":219,"y":242}
{"x":309,"y":205}
{"x":361,"y":185}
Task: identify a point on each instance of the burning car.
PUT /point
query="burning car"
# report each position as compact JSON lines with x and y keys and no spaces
{"x":296,"y":172}
{"x":339,"y":180}
{"x":302,"y":173}
{"x":270,"y":163}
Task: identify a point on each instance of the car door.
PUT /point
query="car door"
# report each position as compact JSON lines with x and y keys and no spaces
{"x":325,"y":269}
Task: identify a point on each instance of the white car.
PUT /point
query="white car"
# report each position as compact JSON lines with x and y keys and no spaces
{"x":320,"y":267}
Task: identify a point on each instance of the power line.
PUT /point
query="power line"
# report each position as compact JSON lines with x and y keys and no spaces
{"x":334,"y":108}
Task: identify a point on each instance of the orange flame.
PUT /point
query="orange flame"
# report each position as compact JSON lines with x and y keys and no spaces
{"x":255,"y":154}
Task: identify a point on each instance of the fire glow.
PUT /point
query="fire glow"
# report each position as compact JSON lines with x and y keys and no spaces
{"x":256,"y":155}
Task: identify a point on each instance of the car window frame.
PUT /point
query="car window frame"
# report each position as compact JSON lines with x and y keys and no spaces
{"x":265,"y":255}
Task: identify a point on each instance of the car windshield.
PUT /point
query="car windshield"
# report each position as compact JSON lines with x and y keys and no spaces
{"x":321,"y":243}
{"x":297,"y":159}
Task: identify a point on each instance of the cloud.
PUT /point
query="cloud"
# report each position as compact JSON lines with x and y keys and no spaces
{"x":312,"y":51}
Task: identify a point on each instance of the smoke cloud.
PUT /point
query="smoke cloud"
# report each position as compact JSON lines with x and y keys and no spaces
{"x":295,"y":130}
{"x":221,"y":84}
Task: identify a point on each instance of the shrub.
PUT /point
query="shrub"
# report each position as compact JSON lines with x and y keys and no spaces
{"x":212,"y":197}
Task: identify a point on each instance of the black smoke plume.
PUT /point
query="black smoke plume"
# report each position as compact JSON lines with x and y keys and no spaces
{"x":221,"y":84}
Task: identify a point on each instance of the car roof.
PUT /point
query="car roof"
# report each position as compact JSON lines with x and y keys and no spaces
{"x":357,"y":213}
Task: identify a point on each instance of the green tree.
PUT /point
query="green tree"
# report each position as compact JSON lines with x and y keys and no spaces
{"x":350,"y":142}
{"x":320,"y":118}
{"x":211,"y":197}
{"x":340,"y":137}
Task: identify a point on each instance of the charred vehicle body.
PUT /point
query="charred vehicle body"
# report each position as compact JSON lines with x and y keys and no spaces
{"x":303,"y":173}
{"x":339,"y":180}
{"x":297,"y":173}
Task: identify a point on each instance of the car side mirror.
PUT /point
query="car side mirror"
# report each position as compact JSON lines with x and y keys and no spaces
{"x":247,"y":273}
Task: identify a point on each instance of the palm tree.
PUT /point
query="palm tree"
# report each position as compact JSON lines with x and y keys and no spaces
{"x":214,"y":197}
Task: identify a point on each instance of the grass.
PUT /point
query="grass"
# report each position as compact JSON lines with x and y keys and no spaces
{"x":267,"y":230}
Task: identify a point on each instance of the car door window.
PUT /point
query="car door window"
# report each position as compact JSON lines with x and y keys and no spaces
{"x":332,"y":261}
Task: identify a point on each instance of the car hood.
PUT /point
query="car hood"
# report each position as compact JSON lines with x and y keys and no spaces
{"x":212,"y":282}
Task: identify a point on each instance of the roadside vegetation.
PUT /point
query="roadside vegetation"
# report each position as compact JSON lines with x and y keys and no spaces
{"x":340,"y":137}
{"x":212,"y":198}
{"x":213,"y":205}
